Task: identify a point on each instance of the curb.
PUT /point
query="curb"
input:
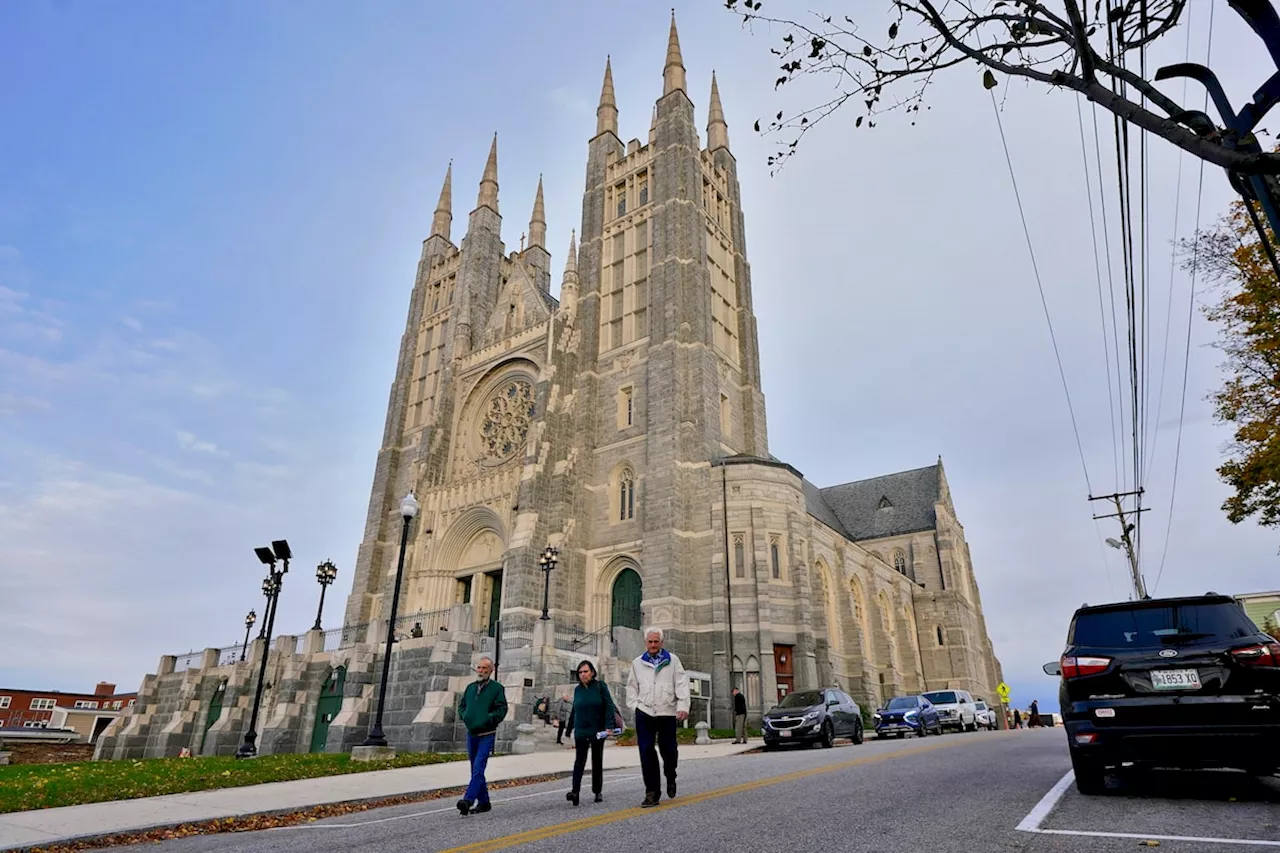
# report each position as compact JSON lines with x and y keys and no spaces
{"x":228,"y":823}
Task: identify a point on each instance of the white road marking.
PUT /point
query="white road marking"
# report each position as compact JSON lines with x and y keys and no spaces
{"x":1031,"y":823}
{"x":423,"y":813}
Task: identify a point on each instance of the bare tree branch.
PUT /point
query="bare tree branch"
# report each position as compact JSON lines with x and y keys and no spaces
{"x":1014,"y":38}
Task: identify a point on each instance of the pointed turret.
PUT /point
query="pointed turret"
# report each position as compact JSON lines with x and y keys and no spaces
{"x":607,"y":112}
{"x":653,"y":125}
{"x":442,"y":222}
{"x":717,"y":129}
{"x":538,"y":222}
{"x":569,"y":283}
{"x":673,"y":71}
{"x":489,"y":183}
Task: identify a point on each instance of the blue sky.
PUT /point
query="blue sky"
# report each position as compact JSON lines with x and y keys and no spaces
{"x":210,"y":218}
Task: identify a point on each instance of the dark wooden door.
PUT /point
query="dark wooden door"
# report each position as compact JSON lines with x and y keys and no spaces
{"x":784,"y":670}
{"x":328,"y":707}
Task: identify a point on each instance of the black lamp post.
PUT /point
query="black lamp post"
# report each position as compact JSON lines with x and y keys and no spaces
{"x":248,"y":626}
{"x":408,"y":509}
{"x":266,"y":613}
{"x":548,"y":562}
{"x":325,"y":574}
{"x":278,"y":552}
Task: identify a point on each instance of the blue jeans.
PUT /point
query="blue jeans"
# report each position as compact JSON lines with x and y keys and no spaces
{"x":478,"y":749}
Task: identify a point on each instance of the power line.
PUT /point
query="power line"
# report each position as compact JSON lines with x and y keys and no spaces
{"x":1097,"y":271}
{"x":1026,"y":232}
{"x":1191,"y":301}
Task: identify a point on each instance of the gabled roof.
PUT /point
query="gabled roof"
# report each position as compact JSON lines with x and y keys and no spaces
{"x":884,"y":506}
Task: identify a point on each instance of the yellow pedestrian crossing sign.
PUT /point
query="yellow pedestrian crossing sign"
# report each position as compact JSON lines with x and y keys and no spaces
{"x":1003,"y":690}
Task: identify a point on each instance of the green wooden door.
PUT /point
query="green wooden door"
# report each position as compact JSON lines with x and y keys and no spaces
{"x":215,"y":711}
{"x":327,"y":707}
{"x":627,"y":592}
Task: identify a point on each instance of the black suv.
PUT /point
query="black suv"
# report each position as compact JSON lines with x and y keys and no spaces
{"x":1172,"y":682}
{"x":813,"y":716}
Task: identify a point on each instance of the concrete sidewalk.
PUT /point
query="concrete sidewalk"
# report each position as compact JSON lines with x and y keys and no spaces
{"x":52,"y":826}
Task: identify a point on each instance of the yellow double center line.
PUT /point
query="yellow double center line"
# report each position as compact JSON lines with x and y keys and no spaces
{"x":569,"y":827}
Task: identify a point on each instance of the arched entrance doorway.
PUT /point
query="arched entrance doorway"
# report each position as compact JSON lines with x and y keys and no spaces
{"x":627,"y":594}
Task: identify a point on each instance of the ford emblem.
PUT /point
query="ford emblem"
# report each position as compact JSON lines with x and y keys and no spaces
{"x":1168,"y":653}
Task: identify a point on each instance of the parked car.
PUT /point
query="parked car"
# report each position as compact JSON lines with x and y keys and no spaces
{"x":812,"y":716}
{"x":984,"y":716}
{"x":1172,"y":682}
{"x":955,"y":709}
{"x":903,"y":715}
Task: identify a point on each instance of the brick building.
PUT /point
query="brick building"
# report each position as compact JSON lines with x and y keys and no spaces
{"x":30,"y":709}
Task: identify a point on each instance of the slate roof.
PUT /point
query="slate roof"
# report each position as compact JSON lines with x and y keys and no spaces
{"x":910,"y":495}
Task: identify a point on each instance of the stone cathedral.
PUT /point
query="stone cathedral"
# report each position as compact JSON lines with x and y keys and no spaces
{"x":623,"y":425}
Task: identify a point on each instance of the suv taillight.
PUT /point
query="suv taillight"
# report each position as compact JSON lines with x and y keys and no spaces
{"x":1074,"y":667}
{"x":1266,"y":654}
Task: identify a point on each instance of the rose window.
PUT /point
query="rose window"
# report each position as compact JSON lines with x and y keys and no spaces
{"x":506,"y":419}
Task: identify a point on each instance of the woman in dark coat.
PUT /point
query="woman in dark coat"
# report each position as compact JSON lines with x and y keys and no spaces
{"x":590,"y":721}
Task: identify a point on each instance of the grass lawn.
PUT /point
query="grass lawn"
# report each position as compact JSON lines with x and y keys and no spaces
{"x":43,"y":786}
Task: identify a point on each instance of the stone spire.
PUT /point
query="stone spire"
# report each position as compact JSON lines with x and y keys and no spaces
{"x":717,"y":129}
{"x":489,"y":183}
{"x":607,"y":112}
{"x":443,"y":220}
{"x":653,"y":125}
{"x":538,"y":222}
{"x":569,"y":284}
{"x":673,"y":71}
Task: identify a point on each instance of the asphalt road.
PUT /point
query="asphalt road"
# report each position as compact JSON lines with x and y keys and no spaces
{"x":960,"y":792}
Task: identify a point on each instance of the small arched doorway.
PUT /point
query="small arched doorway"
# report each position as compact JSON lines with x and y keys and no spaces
{"x":627,"y":594}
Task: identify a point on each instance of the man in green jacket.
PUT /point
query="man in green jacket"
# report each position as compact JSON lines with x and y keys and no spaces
{"x":483,"y":706}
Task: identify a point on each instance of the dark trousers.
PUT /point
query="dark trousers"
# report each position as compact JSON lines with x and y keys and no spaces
{"x":560,"y":732}
{"x":595,"y":746}
{"x":662,"y":731}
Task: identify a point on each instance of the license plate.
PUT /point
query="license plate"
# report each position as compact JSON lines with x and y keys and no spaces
{"x":1175,"y":679}
{"x":784,"y":734}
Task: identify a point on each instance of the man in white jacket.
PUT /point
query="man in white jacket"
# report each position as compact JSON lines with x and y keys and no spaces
{"x":658,"y":692}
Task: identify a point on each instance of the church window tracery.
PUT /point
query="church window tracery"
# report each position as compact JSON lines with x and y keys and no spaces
{"x":506,"y":419}
{"x":626,"y":495}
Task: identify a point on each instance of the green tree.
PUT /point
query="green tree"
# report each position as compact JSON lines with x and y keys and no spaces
{"x":1269,"y":627}
{"x":1247,"y":310}
{"x":1088,"y":48}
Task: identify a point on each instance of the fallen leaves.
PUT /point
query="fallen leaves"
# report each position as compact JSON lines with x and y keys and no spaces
{"x":256,"y":823}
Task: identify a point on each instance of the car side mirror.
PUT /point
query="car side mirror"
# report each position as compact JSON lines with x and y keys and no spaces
{"x":832,"y":702}
{"x":1053,"y":668}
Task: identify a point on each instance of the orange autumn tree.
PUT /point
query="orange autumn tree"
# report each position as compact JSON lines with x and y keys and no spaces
{"x":1247,"y":311}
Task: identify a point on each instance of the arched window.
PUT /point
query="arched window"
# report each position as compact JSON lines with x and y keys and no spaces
{"x":627,"y":594}
{"x":941,"y":641}
{"x":855,"y":588}
{"x":775,"y":560}
{"x":900,"y":562}
{"x":626,"y":494}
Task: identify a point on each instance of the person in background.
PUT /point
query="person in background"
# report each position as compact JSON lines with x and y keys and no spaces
{"x":591,"y":719}
{"x":1034,"y":715}
{"x":417,"y":630}
{"x":739,"y":716}
{"x":564,"y":707}
{"x":1017,"y":718}
{"x":483,"y":706}
{"x":658,"y":692}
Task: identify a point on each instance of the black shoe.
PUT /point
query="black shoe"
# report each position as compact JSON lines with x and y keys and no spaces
{"x":464,"y":806}
{"x":572,"y":797}
{"x":650,"y":800}
{"x":599,"y":799}
{"x":482,"y":808}
{"x":671,"y":789}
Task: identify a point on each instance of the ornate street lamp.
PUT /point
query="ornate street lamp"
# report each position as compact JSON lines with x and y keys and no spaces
{"x":248,"y":626}
{"x":408,"y":509}
{"x":266,"y":593}
{"x":325,"y":574}
{"x":279,"y":552}
{"x":548,"y":562}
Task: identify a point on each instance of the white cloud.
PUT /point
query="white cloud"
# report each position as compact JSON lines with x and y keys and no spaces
{"x":188,"y":441}
{"x":132,"y":323}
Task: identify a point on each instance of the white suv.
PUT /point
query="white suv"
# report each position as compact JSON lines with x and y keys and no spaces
{"x":986,"y":716}
{"x":956,"y":709}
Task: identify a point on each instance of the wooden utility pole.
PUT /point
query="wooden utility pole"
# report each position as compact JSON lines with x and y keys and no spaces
{"x":1126,"y":540}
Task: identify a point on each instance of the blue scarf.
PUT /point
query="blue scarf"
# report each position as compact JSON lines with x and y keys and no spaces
{"x":658,"y":661}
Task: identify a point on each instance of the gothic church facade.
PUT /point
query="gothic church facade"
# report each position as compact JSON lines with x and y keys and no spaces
{"x":624,"y":425}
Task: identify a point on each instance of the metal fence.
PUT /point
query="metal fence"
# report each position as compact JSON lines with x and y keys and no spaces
{"x":344,"y":637}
